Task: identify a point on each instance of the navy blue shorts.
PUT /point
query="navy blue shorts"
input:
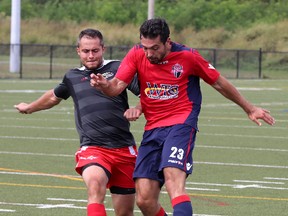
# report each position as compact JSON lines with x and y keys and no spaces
{"x":165,"y":147}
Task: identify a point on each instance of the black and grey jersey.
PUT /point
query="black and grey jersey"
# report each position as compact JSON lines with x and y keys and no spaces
{"x":99,"y":118}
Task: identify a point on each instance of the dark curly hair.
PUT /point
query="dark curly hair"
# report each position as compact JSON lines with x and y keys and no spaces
{"x":153,"y":27}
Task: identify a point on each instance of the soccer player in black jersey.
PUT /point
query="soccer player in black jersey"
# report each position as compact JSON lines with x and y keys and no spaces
{"x":107,"y":152}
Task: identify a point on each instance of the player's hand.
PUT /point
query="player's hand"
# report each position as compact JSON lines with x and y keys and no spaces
{"x":98,"y":81}
{"x":22,"y":108}
{"x":132,"y":114}
{"x":260,"y":113}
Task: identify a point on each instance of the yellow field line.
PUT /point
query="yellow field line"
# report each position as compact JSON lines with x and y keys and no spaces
{"x":40,"y":173}
{"x":78,"y":188}
{"x":41,"y":186}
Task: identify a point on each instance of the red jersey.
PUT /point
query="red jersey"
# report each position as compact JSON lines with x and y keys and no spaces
{"x":170,"y":90}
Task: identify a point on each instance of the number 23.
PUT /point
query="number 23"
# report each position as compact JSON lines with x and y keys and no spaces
{"x":177,"y":153}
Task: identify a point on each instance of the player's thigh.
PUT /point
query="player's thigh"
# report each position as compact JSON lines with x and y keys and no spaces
{"x":95,"y":178}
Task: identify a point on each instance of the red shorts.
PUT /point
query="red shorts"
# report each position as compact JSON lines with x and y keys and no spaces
{"x":119,"y":162}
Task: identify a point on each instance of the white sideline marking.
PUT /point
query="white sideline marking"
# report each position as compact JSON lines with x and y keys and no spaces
{"x":237,"y":186}
{"x":7,"y":210}
{"x":38,"y":138}
{"x":22,"y":91}
{"x":36,"y":127}
{"x":44,"y":205}
{"x":241,"y":165}
{"x":241,"y":135}
{"x":259,"y":182}
{"x":49,"y":206}
{"x":201,"y":189}
{"x":70,"y":200}
{"x":272,"y":178}
{"x":196,"y":162}
{"x":258,"y":89}
{"x":243,"y":148}
{"x":36,"y":154}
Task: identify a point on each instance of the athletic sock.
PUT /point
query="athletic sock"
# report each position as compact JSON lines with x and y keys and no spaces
{"x":161,"y":212}
{"x":96,"y":209}
{"x":182,"y":206}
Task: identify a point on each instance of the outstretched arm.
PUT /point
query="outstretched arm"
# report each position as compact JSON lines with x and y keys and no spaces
{"x":254,"y":113}
{"x":111,"y":87}
{"x":46,"y":101}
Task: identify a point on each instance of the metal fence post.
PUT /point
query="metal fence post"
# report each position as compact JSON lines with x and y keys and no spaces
{"x":260,"y":64}
{"x":51,"y":61}
{"x":237,"y":63}
{"x":21,"y":56}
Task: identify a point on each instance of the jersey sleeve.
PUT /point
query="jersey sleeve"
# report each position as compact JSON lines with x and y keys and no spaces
{"x":134,"y":86}
{"x":61,"y":91}
{"x":204,"y":69}
{"x":127,"y":68}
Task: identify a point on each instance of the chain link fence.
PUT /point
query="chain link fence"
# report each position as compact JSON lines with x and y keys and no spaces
{"x":38,"y":61}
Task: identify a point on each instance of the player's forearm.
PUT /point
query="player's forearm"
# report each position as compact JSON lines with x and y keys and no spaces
{"x":113,"y":87}
{"x":46,"y":101}
{"x":230,"y":92}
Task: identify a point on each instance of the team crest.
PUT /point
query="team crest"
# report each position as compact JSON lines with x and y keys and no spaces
{"x":177,"y":70}
{"x":107,"y":75}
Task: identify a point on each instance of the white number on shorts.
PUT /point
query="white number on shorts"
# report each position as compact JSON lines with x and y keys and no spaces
{"x":177,"y":153}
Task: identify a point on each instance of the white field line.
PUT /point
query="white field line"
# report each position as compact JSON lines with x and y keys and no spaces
{"x":243,"y":135}
{"x":252,"y":184}
{"x":38,"y":119}
{"x":240,"y":165}
{"x":205,"y":134}
{"x":29,"y":91}
{"x":259,"y":182}
{"x":36,"y":154}
{"x":138,"y":131}
{"x":38,"y":138}
{"x":242,"y":148}
{"x":38,"y":127}
{"x":238,"y":186}
{"x":195,"y":162}
{"x":26,"y":91}
{"x":199,"y":134}
{"x":231,"y":104}
{"x":273,"y":178}
{"x":7,"y":210}
{"x":71,"y":206}
{"x":43,"y":206}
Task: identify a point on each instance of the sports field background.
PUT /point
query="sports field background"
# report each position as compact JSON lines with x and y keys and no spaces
{"x":240,"y":169}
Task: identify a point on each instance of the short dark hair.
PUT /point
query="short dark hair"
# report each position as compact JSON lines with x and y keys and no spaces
{"x":153,"y":27}
{"x":91,"y":33}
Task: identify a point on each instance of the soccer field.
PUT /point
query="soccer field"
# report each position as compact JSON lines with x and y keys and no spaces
{"x":240,"y":169}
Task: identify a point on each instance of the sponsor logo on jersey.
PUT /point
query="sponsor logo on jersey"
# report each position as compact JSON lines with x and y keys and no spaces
{"x":211,"y":67}
{"x":177,"y":70}
{"x":175,"y":162}
{"x":189,"y":166}
{"x":162,"y":91}
{"x":108,"y":74}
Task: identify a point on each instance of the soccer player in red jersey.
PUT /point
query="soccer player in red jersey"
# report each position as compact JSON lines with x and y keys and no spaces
{"x":169,"y":76}
{"x":107,"y":153}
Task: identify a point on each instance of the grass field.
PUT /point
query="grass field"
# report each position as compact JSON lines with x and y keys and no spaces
{"x":240,"y":169}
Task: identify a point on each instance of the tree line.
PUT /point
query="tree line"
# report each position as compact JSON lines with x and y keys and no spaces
{"x":199,"y":14}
